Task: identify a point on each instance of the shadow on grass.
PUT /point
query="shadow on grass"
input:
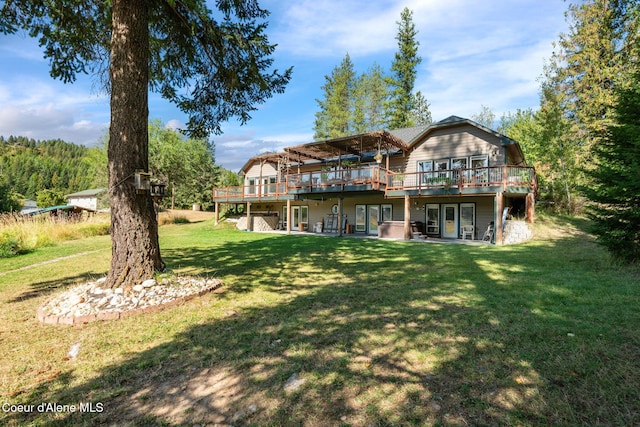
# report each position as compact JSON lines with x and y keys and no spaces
{"x":364,"y":332}
{"x":46,"y":287}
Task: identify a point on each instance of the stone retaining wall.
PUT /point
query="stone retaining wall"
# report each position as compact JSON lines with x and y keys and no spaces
{"x":516,"y":232}
{"x":260,"y":223}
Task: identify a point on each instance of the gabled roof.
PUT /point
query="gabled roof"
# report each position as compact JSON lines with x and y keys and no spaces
{"x":408,"y":135}
{"x":273,"y":158}
{"x":397,"y":140}
{"x":87,"y":193}
{"x":453,"y":121}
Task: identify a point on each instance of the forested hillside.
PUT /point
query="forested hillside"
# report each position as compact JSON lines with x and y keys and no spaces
{"x":28,"y":166}
{"x":45,"y":171}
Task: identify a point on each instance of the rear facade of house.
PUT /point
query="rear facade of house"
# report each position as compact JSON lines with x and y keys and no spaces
{"x":452,"y":179}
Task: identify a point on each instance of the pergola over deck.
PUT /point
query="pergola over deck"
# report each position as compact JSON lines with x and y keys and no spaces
{"x":319,"y":151}
{"x":354,"y":145}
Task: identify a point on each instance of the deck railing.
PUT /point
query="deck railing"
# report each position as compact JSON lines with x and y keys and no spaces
{"x":378,"y":178}
{"x":250,"y":192}
{"x":505,"y":176}
{"x":337,"y":178}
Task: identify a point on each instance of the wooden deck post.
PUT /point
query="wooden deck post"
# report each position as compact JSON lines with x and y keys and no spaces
{"x":531,"y":207}
{"x":407,"y":217}
{"x":288,"y":216}
{"x":499,"y":206}
{"x":339,"y":216}
{"x":248,"y":216}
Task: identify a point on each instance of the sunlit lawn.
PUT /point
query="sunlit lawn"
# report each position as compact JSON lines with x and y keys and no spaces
{"x":375,"y":333}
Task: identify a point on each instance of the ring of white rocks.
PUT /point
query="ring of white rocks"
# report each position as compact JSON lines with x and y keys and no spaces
{"x":90,"y":302}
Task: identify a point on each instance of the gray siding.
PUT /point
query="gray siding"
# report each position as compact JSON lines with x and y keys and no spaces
{"x":463,"y":141}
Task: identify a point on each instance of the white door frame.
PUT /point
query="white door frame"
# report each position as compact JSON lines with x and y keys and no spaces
{"x":450,"y":221}
{"x":373,"y":229}
{"x":298,"y":215}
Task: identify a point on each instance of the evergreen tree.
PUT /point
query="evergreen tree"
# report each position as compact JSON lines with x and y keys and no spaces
{"x":212,"y":66}
{"x":375,"y":96}
{"x":615,"y":185}
{"x":421,"y":115}
{"x":30,"y":166}
{"x":359,"y":99}
{"x":562,"y":151}
{"x":404,"y":72}
{"x":594,"y":57}
{"x":335,"y":116}
{"x":578,"y":85}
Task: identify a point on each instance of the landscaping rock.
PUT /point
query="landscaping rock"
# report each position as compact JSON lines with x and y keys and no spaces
{"x":294,"y":383}
{"x":149,"y":283}
{"x":91,"y":302}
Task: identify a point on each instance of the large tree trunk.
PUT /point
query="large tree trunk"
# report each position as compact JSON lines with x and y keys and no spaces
{"x":134,"y":226}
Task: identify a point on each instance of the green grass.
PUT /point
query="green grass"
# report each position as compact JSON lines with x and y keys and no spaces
{"x":382,"y":333}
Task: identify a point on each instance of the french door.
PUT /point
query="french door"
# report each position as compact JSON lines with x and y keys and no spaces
{"x":299,"y":217}
{"x":373,"y":215}
{"x":368,"y":217}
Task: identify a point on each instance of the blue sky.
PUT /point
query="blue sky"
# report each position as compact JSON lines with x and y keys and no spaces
{"x":474,"y":53}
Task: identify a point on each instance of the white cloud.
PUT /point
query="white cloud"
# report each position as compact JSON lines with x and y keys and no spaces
{"x":234,"y":149}
{"x":49,"y":122}
{"x":174,"y":124}
{"x":317,"y":28}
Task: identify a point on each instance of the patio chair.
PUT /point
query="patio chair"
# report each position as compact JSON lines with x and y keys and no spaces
{"x":467,"y":231}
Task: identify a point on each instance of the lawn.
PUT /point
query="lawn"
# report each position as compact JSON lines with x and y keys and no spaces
{"x":325,"y":331}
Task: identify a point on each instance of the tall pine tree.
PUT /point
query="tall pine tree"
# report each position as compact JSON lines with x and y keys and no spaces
{"x":421,"y":114}
{"x":335,"y":116}
{"x":615,"y":185}
{"x":369,"y":100}
{"x":591,"y":60}
{"x":400,"y":106}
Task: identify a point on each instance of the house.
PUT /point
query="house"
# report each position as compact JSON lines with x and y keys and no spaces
{"x":87,"y":199}
{"x":452,"y":179}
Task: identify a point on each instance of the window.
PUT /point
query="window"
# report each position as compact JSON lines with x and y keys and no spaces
{"x":361,"y":218}
{"x":459,"y":163}
{"x":467,"y":213}
{"x":425,"y":168}
{"x":442,"y":168}
{"x":480,"y":172}
{"x":387,"y":212}
{"x":251,"y":189}
{"x":459,"y":166}
{"x":433,"y":219}
{"x":270,"y":185}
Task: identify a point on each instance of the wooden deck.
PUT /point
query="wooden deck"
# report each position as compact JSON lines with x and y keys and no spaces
{"x":485,"y":180}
